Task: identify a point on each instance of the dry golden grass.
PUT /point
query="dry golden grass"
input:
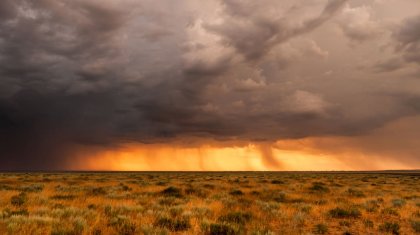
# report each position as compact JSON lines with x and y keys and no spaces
{"x":209,"y":203}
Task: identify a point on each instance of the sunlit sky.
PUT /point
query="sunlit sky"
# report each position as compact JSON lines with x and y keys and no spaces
{"x":209,"y":85}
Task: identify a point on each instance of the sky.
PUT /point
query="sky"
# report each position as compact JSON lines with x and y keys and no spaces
{"x":209,"y":85}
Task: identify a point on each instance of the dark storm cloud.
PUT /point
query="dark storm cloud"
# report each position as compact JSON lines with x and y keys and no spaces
{"x":98,"y":73}
{"x":389,"y":65}
{"x":44,"y":47}
{"x":7,"y":9}
{"x":409,"y":38}
{"x":253,"y":35}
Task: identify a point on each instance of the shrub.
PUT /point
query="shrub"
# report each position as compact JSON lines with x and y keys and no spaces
{"x":127,"y":228}
{"x":223,"y":229}
{"x":344,"y":223}
{"x":355,"y":193}
{"x":268,"y":206}
{"x":150,"y":230}
{"x":97,"y":191}
{"x":97,"y":231}
{"x":58,"y":206}
{"x":76,"y":228}
{"x":18,"y":200}
{"x":23,"y":212}
{"x":209,"y":186}
{"x":27,"y":225}
{"x":174,"y":225}
{"x":368,"y":223}
{"x":341,"y":213}
{"x":71,"y":212}
{"x":320,"y":229}
{"x":416,"y":226}
{"x":171,"y":192}
{"x":398,"y":202}
{"x":124,"y":187}
{"x":371,"y":206}
{"x":63,"y":197}
{"x":255,"y":193}
{"x":6,"y":187}
{"x":34,"y":188}
{"x":197,"y":192}
{"x":304,"y":208}
{"x":201,"y":212}
{"x":4,"y":214}
{"x":280,"y":197}
{"x":176,"y":211}
{"x":390,"y":211}
{"x":319,"y":187}
{"x":169,"y":201}
{"x":321,"y":202}
{"x":236,"y":217}
{"x":79,"y":225}
{"x":389,"y":227}
{"x":123,"y":225}
{"x":277,"y":182}
{"x":236,"y":192}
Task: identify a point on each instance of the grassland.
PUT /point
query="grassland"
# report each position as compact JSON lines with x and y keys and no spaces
{"x":209,"y":203}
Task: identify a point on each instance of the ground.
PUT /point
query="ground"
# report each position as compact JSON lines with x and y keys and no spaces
{"x":70,"y":203}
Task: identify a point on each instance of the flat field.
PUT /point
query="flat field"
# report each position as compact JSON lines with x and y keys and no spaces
{"x":70,"y":203}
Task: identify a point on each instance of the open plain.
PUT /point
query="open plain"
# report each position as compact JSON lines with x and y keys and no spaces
{"x":72,"y":203}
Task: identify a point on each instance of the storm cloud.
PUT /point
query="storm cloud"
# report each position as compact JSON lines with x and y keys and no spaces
{"x":79,"y":74}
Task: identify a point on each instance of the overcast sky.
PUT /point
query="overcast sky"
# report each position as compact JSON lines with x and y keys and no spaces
{"x":324,"y":76}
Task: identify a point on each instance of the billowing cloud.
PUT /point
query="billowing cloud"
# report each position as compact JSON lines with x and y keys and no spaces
{"x":80,"y":75}
{"x":357,"y":24}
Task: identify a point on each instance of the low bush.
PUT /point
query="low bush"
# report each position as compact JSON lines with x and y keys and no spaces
{"x":196,"y":192}
{"x":355,"y":193}
{"x":280,"y":197}
{"x":390,"y":211}
{"x":416,"y":226}
{"x":174,"y":225}
{"x":277,"y":182}
{"x":76,"y":227}
{"x":18,"y":200}
{"x":371,"y":206}
{"x":22,"y":212}
{"x":97,"y":191}
{"x":34,"y":188}
{"x":123,"y":225}
{"x":236,"y":192}
{"x":368,"y":223}
{"x":398,"y":202}
{"x":341,"y":213}
{"x":171,"y":192}
{"x":63,"y":197}
{"x":320,"y":229}
{"x":223,"y":229}
{"x":389,"y":227}
{"x":318,"y":187}
{"x":236,"y":217}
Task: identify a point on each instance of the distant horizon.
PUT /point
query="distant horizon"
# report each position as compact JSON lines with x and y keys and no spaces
{"x":191,"y":171}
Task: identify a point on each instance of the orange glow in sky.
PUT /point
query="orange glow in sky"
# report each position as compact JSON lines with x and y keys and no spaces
{"x":243,"y":158}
